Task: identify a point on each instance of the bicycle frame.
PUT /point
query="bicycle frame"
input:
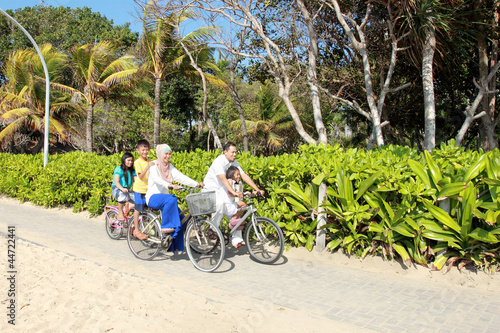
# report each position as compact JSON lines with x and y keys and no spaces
{"x":250,"y":210}
{"x":115,"y":209}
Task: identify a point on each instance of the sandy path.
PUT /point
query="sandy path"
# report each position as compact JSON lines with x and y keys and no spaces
{"x":72,"y":277}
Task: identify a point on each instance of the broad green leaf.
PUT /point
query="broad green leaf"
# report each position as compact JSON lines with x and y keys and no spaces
{"x":400,"y":229}
{"x":365,"y":185}
{"x":439,"y":236}
{"x":433,"y":168}
{"x":492,"y":182}
{"x":401,"y":251}
{"x":475,"y":169}
{"x":468,"y":202}
{"x":310,"y":242}
{"x":298,"y":192}
{"x":483,"y":236}
{"x":318,"y":179}
{"x":332,"y":245}
{"x":451,"y":189}
{"x":375,"y":227}
{"x":420,"y":172}
{"x":442,"y":216}
{"x":297,"y":206}
{"x":440,"y":261}
{"x":434,"y":226}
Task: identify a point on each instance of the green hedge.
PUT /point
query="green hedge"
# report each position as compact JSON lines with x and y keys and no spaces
{"x":434,"y":209}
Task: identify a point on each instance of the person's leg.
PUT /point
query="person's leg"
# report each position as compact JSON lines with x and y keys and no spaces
{"x":170,"y":221}
{"x":140,"y":201}
{"x":236,"y":236}
{"x":121,"y":216}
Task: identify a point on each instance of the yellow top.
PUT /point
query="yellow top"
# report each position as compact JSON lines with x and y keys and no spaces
{"x":141,"y":186}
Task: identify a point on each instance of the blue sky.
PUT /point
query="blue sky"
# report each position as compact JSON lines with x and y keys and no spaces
{"x":120,"y":11}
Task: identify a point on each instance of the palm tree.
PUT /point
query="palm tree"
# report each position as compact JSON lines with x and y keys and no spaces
{"x":268,"y":131}
{"x":165,"y":54}
{"x":427,"y":20}
{"x":100,"y":75}
{"x":22,"y":99}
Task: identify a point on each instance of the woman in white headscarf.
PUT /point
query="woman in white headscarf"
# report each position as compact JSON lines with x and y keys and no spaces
{"x":161,"y":176}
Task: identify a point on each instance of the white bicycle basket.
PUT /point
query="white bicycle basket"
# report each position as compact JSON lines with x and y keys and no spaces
{"x":201,"y":203}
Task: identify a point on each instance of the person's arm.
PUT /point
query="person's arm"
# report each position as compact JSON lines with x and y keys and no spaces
{"x":250,"y":182}
{"x":228,"y":186}
{"x":142,"y":173}
{"x":117,"y":183}
{"x":182,"y":178}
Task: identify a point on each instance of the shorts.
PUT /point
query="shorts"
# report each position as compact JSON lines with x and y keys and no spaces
{"x":122,"y":197}
{"x":140,"y":201}
{"x":230,"y":209}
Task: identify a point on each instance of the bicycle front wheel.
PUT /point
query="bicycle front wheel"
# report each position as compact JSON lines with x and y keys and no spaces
{"x":204,"y":245}
{"x":150,"y":247}
{"x":113,"y":229}
{"x":265,"y":240}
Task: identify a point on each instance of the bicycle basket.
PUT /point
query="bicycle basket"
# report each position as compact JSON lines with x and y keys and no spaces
{"x":201,"y":203}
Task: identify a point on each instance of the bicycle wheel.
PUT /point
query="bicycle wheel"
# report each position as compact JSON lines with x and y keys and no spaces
{"x":113,"y":230}
{"x":265,"y":240}
{"x":204,"y":245}
{"x":145,"y":249}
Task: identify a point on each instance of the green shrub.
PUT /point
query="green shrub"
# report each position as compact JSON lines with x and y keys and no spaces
{"x":433,"y":209}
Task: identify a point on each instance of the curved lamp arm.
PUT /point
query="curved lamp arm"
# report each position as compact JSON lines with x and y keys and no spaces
{"x":47,"y":89}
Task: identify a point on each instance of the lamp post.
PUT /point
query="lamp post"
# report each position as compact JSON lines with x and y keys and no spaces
{"x":47,"y":89}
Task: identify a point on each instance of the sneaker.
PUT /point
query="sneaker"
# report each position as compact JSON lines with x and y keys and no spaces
{"x":237,"y":239}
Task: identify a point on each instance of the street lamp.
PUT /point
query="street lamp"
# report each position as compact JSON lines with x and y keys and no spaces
{"x":47,"y":89}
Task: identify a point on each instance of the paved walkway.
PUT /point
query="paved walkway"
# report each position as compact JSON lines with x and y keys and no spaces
{"x":348,"y":297}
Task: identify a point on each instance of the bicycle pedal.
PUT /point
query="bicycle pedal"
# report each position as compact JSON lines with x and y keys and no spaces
{"x":166,"y":242}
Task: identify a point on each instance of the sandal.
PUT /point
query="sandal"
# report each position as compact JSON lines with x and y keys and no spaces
{"x":139,"y":235}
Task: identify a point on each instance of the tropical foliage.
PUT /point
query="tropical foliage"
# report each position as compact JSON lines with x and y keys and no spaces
{"x":384,"y":202}
{"x":22,"y":99}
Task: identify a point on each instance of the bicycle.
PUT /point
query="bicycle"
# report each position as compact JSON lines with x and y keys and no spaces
{"x":263,"y":237}
{"x":150,"y":224}
{"x":114,"y":227}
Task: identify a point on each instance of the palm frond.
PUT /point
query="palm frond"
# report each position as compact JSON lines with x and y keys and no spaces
{"x":16,"y":113}
{"x":11,"y":129}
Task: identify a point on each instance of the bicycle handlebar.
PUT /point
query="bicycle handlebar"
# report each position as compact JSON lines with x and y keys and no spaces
{"x":185,"y":188}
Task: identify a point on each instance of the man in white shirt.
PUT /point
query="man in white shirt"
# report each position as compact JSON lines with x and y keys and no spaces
{"x":215,"y":180}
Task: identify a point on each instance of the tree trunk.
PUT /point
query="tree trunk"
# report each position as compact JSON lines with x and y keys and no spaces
{"x":321,"y":233}
{"x":205,"y":94}
{"x":237,"y":101}
{"x":156,"y":131}
{"x":428,"y":86}
{"x":37,"y":147}
{"x":487,"y":135}
{"x":312,"y":74}
{"x":360,"y":47}
{"x":284,"y":94}
{"x":90,"y":120}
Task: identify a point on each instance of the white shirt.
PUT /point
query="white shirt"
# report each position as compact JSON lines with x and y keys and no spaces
{"x":156,"y":184}
{"x":219,"y":167}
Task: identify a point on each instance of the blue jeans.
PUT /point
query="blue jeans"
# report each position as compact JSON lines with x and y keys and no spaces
{"x":170,"y":218}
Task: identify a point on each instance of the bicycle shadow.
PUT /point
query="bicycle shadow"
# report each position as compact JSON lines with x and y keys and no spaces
{"x":231,"y":253}
{"x":228,"y":263}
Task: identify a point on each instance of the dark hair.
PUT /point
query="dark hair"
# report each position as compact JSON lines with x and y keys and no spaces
{"x":231,"y":171}
{"x":126,"y":170}
{"x":228,"y":145}
{"x":142,"y":143}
